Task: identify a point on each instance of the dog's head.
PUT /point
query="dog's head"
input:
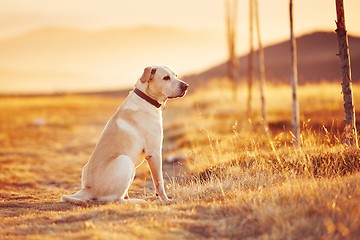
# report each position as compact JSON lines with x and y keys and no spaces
{"x":161,"y":83}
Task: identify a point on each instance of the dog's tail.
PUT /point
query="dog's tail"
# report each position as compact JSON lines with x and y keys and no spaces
{"x":80,"y":198}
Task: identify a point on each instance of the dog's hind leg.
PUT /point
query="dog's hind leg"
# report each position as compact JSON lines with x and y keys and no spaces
{"x":79,"y":198}
{"x":118,"y":176}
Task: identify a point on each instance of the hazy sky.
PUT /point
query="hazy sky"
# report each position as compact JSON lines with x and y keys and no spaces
{"x":20,"y":16}
{"x":17,"y":16}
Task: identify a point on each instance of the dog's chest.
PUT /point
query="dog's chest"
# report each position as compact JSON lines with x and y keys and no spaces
{"x":152,"y":128}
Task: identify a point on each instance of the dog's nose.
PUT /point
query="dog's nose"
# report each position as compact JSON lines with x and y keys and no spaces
{"x":184,"y":86}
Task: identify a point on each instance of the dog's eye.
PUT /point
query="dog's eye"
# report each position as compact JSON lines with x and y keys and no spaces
{"x":166,"y":78}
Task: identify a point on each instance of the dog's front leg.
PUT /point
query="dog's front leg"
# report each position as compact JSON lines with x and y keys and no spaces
{"x":155,"y":164}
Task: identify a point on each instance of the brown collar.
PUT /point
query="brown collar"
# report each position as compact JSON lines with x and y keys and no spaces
{"x":147,"y":98}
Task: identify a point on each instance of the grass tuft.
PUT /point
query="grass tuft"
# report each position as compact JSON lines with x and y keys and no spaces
{"x":230,"y":180}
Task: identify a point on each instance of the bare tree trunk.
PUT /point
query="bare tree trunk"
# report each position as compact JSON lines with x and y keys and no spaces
{"x":294,"y":81}
{"x":261,"y":67}
{"x":231,"y":19}
{"x":344,"y":52}
{"x":250,"y":59}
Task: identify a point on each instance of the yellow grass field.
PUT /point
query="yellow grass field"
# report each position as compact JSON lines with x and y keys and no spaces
{"x":235,"y":182}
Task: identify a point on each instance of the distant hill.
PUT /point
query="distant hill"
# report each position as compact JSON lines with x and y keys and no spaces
{"x":59,"y":59}
{"x":317,"y":61}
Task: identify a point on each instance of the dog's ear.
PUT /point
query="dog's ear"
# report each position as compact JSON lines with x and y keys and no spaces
{"x":148,"y":74}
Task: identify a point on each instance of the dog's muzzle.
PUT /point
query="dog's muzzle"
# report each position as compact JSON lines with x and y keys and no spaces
{"x":183,"y":88}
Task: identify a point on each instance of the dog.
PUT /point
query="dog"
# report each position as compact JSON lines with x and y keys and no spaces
{"x":134,"y":131}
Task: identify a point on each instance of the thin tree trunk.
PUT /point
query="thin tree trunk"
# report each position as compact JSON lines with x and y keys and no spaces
{"x":261,"y":67}
{"x":250,"y":59}
{"x":294,"y":81}
{"x":231,"y":19}
{"x":344,"y":54}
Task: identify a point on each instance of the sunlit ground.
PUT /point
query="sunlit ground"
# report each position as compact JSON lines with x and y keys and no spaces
{"x":234,"y":182}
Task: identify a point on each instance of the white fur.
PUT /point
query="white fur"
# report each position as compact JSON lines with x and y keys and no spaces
{"x":134,"y":130}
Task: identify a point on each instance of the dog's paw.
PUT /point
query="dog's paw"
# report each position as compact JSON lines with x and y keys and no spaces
{"x":164,"y":199}
{"x":167,"y":201}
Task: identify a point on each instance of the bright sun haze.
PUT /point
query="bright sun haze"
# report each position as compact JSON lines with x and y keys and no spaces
{"x":88,"y":45}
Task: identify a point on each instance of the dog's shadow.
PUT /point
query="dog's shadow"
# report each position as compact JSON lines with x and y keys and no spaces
{"x":14,"y":208}
{"x":37,"y":212}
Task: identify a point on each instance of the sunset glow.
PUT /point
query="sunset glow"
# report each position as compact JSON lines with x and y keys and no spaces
{"x":189,"y":36}
{"x":168,"y":119}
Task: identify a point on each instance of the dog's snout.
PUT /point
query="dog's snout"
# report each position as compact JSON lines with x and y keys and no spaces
{"x":184,"y":86}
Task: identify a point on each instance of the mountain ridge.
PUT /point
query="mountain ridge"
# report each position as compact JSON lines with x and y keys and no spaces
{"x":317,"y":61}
{"x":105,"y":59}
{"x":61,"y":59}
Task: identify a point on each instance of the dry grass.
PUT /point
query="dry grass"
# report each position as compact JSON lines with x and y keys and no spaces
{"x":236,"y":182}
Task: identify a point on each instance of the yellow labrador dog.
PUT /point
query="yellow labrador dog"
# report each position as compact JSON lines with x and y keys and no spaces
{"x":134,"y":131}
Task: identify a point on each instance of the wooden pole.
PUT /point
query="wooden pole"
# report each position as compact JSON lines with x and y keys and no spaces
{"x":261,"y":67}
{"x":294,"y":81}
{"x":250,"y":59}
{"x":345,"y":66}
{"x":231,"y":19}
